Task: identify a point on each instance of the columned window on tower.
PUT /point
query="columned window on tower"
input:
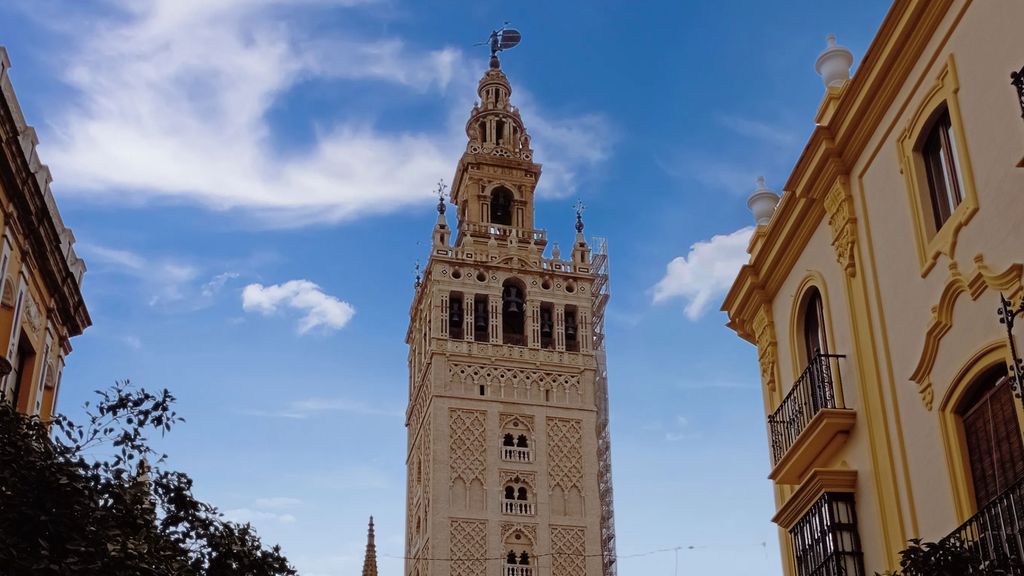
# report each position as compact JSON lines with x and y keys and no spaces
{"x":513,"y":313}
{"x":501,"y":206}
{"x":455,"y":316}
{"x":547,"y":325}
{"x":481,"y":318}
{"x":519,"y":558}
{"x":517,"y":501}
{"x":572,"y":341}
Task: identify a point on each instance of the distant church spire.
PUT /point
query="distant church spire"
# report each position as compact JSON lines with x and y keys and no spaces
{"x":370,"y":562}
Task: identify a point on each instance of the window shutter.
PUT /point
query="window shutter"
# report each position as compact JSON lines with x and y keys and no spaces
{"x":994,"y":444}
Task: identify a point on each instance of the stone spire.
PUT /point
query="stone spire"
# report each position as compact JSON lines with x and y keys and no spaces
{"x":370,"y":562}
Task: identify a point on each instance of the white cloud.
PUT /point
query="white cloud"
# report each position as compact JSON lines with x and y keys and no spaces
{"x":705,"y":273}
{"x":321,"y":310}
{"x":172,"y":100}
{"x":243,"y":515}
{"x":277,"y":503}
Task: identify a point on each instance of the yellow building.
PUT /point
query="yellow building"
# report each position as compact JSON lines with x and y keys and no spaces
{"x":41,"y":306}
{"x":508,"y":455}
{"x":872,"y":293}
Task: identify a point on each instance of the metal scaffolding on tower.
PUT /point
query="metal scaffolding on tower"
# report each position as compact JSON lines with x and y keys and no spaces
{"x":601,"y":294}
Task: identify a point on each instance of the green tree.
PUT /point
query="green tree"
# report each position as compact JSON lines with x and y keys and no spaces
{"x":950,"y":557}
{"x":84,"y":500}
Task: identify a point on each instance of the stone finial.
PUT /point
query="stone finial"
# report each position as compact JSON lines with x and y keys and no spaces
{"x":833,"y":64}
{"x":370,"y":561}
{"x":762,"y":202}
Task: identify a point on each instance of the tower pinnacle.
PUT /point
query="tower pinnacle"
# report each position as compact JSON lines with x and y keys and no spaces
{"x":370,"y":562}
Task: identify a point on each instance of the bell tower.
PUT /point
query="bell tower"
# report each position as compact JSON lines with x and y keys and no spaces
{"x":508,"y":454}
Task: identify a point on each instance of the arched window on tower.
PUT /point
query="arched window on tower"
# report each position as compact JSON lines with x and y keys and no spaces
{"x":513,"y":312}
{"x":519,"y":558}
{"x":517,"y":501}
{"x":572,"y":341}
{"x":481,"y":318}
{"x":508,"y":441}
{"x":455,"y":316}
{"x":547,"y":326}
{"x":522,"y":441}
{"x":501,"y":206}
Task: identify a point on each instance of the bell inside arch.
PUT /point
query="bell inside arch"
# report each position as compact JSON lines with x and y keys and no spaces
{"x":513,"y":300}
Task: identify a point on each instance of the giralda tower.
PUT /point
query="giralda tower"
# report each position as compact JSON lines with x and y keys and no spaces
{"x":508,"y":458}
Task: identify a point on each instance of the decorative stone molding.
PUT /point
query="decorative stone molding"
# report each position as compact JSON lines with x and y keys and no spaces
{"x":510,"y":529}
{"x":565,"y":453}
{"x":1007,"y":281}
{"x":467,"y":444}
{"x":767,"y":354}
{"x":568,"y":552}
{"x":508,"y":421}
{"x":931,"y":243}
{"x":468,"y":547}
{"x":517,"y":477}
{"x":839,"y":205}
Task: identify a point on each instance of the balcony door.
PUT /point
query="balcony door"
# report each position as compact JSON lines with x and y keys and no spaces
{"x":814,"y":326}
{"x":993,"y":437}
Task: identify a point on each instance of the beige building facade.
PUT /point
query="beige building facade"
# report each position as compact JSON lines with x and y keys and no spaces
{"x":872,"y":294}
{"x":41,"y":305}
{"x":508,"y":453}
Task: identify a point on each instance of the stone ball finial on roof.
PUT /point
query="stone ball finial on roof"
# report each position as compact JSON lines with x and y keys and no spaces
{"x":762,"y":202}
{"x":833,"y":64}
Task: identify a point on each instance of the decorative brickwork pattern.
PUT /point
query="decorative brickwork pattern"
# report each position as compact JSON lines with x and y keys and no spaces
{"x":568,"y":551}
{"x":469,"y":548}
{"x":565,"y":453}
{"x":467,"y":444}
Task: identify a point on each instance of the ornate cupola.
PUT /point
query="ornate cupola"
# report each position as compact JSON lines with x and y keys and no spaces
{"x":495,"y":180}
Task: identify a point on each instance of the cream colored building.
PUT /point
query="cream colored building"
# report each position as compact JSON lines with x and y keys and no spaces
{"x":872,"y":295}
{"x":508,"y":454}
{"x":41,"y":306}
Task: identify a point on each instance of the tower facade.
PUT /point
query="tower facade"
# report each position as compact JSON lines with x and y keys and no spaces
{"x":508,"y":452}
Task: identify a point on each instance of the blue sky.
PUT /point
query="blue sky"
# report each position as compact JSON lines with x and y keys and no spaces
{"x":250,"y":185}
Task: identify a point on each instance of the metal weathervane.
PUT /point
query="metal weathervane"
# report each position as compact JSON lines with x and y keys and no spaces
{"x":501,"y":39}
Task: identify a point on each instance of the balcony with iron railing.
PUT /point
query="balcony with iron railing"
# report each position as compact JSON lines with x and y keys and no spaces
{"x":516,"y":454}
{"x":994,"y":537}
{"x":517,"y":507}
{"x":803,"y":429}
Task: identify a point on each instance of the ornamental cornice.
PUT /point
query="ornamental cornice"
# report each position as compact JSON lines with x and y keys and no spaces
{"x":1008,"y":281}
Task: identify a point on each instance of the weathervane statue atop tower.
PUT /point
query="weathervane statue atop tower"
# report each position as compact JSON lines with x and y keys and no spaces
{"x":502,"y":39}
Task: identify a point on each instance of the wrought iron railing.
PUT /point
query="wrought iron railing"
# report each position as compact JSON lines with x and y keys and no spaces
{"x":812,"y":392}
{"x":1017,"y":79}
{"x":995,"y":535}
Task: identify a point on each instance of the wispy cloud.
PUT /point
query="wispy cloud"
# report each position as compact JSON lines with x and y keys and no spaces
{"x":216,"y":284}
{"x":263,"y":510}
{"x":179,"y":123}
{"x":311,"y":407}
{"x":705,"y":273}
{"x":675,"y":430}
{"x":770,"y":134}
{"x":164,"y":281}
{"x":321,"y":310}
